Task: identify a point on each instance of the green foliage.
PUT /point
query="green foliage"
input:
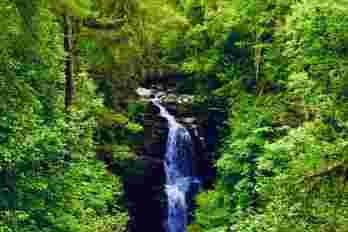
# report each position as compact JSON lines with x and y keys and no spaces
{"x":283,"y":165}
{"x":214,"y":209}
{"x":49,"y":178}
{"x":281,"y":65}
{"x":79,"y":8}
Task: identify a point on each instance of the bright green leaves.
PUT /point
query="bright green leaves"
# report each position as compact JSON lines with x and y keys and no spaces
{"x":213,"y":210}
{"x":284,"y":161}
{"x":319,"y":31}
{"x":50,"y":180}
{"x":119,"y":123}
{"x":79,"y":8}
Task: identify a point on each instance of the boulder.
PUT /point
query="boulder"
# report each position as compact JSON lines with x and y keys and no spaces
{"x":145,"y":93}
{"x":188,"y":120}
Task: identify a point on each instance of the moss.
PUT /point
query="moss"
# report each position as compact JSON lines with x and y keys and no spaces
{"x":134,"y":128}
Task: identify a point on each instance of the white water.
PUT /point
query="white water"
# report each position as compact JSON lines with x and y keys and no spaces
{"x":178,"y":169}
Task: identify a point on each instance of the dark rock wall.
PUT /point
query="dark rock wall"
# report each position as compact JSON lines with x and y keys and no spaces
{"x":145,"y":197}
{"x":145,"y":191}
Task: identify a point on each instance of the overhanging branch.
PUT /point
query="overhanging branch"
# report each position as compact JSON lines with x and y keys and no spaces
{"x":98,"y":25}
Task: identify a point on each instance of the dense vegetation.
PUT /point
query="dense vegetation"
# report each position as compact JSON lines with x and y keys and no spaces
{"x":283,"y":165}
{"x":68,"y":70}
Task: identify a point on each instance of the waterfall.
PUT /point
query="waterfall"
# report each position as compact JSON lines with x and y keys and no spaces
{"x":178,"y":169}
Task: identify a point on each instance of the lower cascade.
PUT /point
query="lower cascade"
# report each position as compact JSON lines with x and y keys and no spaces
{"x":178,"y":169}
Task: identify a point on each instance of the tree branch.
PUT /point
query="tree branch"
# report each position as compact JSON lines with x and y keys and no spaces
{"x":95,"y":24}
{"x":336,"y":170}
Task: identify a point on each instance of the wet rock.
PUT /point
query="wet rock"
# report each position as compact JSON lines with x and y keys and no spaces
{"x":160,"y":94}
{"x":189,"y":120}
{"x":171,"y":90}
{"x":178,"y":99}
{"x":145,"y":93}
{"x":186,"y":99}
{"x":152,"y":109}
{"x":170,"y":98}
{"x":172,"y":109}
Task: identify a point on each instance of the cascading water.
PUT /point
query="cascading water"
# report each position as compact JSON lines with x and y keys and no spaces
{"x":178,"y":169}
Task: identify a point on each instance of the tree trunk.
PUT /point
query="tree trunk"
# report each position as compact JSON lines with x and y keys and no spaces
{"x":69,"y":62}
{"x":76,"y":45}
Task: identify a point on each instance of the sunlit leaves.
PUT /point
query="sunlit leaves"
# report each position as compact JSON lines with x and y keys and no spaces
{"x":41,"y":190}
{"x":79,"y":8}
{"x":299,"y":148}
